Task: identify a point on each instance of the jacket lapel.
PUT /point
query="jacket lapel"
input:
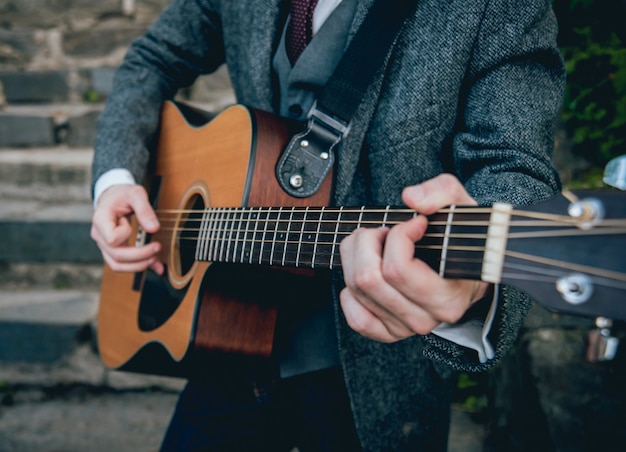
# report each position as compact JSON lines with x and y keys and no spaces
{"x":349,"y":154}
{"x":259,"y":25}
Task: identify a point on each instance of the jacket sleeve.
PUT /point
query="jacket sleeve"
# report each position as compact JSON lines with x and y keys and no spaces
{"x":511,"y":99}
{"x":183,"y":43}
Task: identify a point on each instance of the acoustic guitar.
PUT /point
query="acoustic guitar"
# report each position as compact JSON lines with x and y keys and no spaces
{"x":232,"y":239}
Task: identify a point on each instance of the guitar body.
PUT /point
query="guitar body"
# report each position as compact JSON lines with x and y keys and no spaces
{"x":169,"y":324}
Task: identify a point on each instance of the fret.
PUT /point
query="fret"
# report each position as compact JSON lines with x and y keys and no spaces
{"x":467,"y":242}
{"x":219,"y":244}
{"x":308,"y":237}
{"x":238,"y":214}
{"x":308,"y":240}
{"x":210,"y":235}
{"x":201,"y":245}
{"x":351,"y":219}
{"x":360,"y":220}
{"x":428,"y":249}
{"x":327,"y":241}
{"x":453,"y":244}
{"x":226,"y":235}
{"x":219,"y":233}
{"x":373,"y":218}
{"x":384,"y":222}
{"x":317,"y":237}
{"x":392,"y":217}
{"x":446,"y":240}
{"x":262,"y":241}
{"x":294,"y":237}
{"x":334,"y":249}
{"x":245,"y":255}
{"x":287,"y":231}
{"x":255,"y":228}
{"x":301,"y":236}
{"x":278,"y":235}
{"x":268,"y":227}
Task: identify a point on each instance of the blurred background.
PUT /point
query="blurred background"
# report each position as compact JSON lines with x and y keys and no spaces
{"x":57,"y":60}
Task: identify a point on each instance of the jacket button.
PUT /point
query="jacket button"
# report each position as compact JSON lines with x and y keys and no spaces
{"x":295,"y":110}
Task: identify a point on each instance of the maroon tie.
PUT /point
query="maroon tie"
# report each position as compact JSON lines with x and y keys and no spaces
{"x":300,"y":28}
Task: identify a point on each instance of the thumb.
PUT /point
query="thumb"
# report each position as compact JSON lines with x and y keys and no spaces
{"x":145,"y":214}
{"x":441,"y":191}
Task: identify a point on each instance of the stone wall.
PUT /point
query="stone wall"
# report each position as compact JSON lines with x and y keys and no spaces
{"x":66,"y":50}
{"x":57,"y":62}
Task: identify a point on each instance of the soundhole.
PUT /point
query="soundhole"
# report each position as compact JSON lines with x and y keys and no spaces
{"x":159,"y":301}
{"x":161,"y":295}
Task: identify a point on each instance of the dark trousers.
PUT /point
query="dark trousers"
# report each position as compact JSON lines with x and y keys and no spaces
{"x":247,"y":407}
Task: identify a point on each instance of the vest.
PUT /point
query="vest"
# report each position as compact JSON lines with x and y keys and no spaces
{"x":306,"y":335}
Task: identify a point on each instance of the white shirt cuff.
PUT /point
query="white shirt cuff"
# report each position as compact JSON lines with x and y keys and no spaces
{"x":116,"y":176}
{"x":473,"y":333}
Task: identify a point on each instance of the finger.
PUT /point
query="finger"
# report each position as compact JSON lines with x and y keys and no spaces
{"x":158,"y":267}
{"x":416,"y":282}
{"x":134,"y":266}
{"x":122,"y":256}
{"x":431,"y":298}
{"x":110,"y":230}
{"x":366,"y":283}
{"x":115,"y":205}
{"x":130,"y":254}
{"x":436,"y":193}
{"x":361,"y":256}
{"x":363,"y":321}
{"x":139,"y":203}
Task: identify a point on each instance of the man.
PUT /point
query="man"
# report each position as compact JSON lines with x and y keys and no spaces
{"x":470,"y":89}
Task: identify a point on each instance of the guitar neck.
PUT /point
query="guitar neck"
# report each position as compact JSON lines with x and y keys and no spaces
{"x":309,"y":237}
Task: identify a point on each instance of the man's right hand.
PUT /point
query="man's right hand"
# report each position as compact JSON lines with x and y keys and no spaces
{"x":111,"y":229}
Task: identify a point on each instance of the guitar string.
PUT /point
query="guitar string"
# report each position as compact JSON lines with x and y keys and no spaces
{"x":302,"y":241}
{"x":546,"y":220}
{"x":553,"y":221}
{"x":599,"y":229}
{"x":306,"y":256}
{"x":558,"y":219}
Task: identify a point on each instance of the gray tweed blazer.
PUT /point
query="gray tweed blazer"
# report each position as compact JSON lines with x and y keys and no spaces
{"x":472,"y":88}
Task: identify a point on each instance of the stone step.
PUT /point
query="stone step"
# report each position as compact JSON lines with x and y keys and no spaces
{"x":58,"y":174}
{"x":35,"y":231}
{"x":47,"y":347}
{"x":18,"y":276}
{"x":54,"y":86}
{"x":37,"y":125}
{"x":43,"y":326}
{"x":48,"y":337}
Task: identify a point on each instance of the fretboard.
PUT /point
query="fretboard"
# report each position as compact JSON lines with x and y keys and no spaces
{"x":309,"y":237}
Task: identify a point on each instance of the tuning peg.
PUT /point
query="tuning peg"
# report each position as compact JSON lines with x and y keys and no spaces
{"x":602,"y":346}
{"x":615,"y":173}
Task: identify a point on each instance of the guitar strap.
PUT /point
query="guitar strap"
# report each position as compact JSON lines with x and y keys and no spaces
{"x":309,"y":156}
